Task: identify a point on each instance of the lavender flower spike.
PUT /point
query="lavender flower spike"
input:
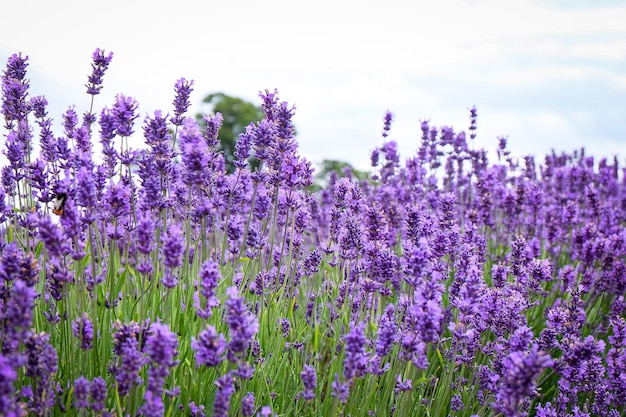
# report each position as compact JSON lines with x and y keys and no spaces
{"x":99,"y":65}
{"x":181,"y":103}
{"x":309,"y":380}
{"x":242,"y":323}
{"x":225,"y":390}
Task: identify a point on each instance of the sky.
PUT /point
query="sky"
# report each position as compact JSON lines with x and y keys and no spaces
{"x":548,"y":74}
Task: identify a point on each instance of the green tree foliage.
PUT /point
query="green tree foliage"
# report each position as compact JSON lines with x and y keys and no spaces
{"x":238,"y":114}
{"x":341,"y":168}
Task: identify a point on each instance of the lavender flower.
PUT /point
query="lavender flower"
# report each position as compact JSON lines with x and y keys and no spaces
{"x":130,"y":361}
{"x":309,"y":380}
{"x":160,"y":349}
{"x":83,"y":330}
{"x":123,"y":112}
{"x":266,"y":411}
{"x":173,"y":248}
{"x":520,"y":371}
{"x":213,"y":125}
{"x":194,"y":152}
{"x":243,"y":147}
{"x":247,"y":404}
{"x":406,"y":385}
{"x":16,"y":316}
{"x":42,"y":366}
{"x":117,"y":201}
{"x":153,"y":405}
{"x":99,"y":66}
{"x":98,"y":393}
{"x":388,"y":118}
{"x":355,"y":360}
{"x":242,"y":323}
{"x":225,"y":389}
{"x":209,"y":347}
{"x":8,"y":375}
{"x":209,"y":278}
{"x":145,"y":234}
{"x":86,"y":193}
{"x":196,"y":411}
{"x":15,"y":105}
{"x":340,"y":390}
{"x":81,"y":393}
{"x":387,"y":332}
{"x":181,"y":103}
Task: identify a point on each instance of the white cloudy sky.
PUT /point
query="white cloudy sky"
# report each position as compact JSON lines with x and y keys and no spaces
{"x":547,"y":73}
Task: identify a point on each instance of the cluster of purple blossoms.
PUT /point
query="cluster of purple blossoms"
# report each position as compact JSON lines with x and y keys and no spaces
{"x":309,"y":380}
{"x":83,"y":331}
{"x":160,"y":350}
{"x":181,"y":103}
{"x":99,"y":65}
{"x":242,"y":325}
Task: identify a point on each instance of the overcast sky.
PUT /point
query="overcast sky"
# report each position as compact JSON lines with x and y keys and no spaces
{"x":546,"y":73}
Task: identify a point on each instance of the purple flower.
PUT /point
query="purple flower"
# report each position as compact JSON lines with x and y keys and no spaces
{"x":387,"y":332}
{"x":173,"y":248}
{"x":16,"y":146}
{"x":401,"y":385}
{"x":340,"y":390}
{"x":86,"y":193}
{"x":209,"y":347}
{"x":8,"y":375}
{"x":387,"y":126}
{"x":225,"y":389}
{"x":117,"y":201}
{"x":10,"y":266}
{"x":352,"y":237}
{"x":374,"y":157}
{"x":52,"y":237}
{"x":83,"y":330}
{"x":41,"y":365}
{"x":98,"y":393}
{"x":243,"y":325}
{"x":546,"y":410}
{"x":518,"y":381}
{"x":247,"y":404}
{"x":151,"y":192}
{"x":309,"y":380}
{"x":158,"y":138}
{"x":213,"y":125}
{"x":153,"y":405}
{"x":123,"y":112}
{"x":616,"y":359}
{"x":194,"y":153}
{"x":81,"y":392}
{"x":129,"y":357}
{"x":243,"y":147}
{"x":145,"y":231}
{"x":15,"y":104}
{"x":262,"y":138}
{"x":99,"y":65}
{"x":17,"y":316}
{"x":131,"y":362}
{"x":196,"y":411}
{"x":355,"y":360}
{"x":266,"y":411}
{"x":160,"y":349}
{"x":209,"y":278}
{"x":181,"y":103}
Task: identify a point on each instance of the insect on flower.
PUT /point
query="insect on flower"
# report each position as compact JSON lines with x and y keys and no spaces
{"x":59,"y":203}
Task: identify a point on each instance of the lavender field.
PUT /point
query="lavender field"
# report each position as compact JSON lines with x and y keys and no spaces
{"x":138,"y":277}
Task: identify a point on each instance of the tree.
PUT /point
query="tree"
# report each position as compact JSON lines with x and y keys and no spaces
{"x":341,"y":168}
{"x":238,"y":114}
